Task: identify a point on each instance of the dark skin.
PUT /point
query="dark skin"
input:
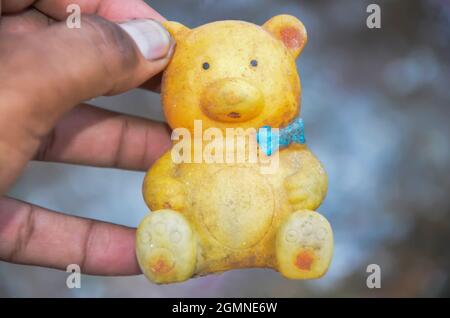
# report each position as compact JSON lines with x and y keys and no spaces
{"x":46,"y":72}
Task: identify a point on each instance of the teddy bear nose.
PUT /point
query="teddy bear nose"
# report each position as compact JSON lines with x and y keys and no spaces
{"x":232,"y":100}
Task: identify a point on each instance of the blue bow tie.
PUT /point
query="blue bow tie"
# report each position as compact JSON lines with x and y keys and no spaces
{"x":270,"y":141}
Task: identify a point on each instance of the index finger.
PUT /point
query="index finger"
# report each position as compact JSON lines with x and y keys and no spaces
{"x":114,"y":10}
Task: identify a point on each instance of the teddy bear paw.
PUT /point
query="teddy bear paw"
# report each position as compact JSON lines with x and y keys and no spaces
{"x":304,"y":192}
{"x":166,"y":247}
{"x":304,"y":245}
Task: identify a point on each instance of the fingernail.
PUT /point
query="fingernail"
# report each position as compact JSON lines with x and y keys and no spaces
{"x":152,"y":39}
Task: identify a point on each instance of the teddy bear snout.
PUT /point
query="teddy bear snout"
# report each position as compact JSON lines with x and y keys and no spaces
{"x":232,"y":100}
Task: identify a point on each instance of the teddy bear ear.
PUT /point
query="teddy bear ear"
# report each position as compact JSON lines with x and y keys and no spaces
{"x":175,"y":29}
{"x":289,"y":30}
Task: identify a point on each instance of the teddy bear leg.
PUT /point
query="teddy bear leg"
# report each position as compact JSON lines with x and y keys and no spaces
{"x":166,"y":247}
{"x":304,"y":245}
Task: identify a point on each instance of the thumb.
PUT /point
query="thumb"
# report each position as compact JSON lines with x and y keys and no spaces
{"x":46,"y":73}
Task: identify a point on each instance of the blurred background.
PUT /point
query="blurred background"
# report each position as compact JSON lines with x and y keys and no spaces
{"x":376,"y":104}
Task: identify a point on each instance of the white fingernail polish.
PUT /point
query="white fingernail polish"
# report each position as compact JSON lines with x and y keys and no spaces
{"x":152,"y":39}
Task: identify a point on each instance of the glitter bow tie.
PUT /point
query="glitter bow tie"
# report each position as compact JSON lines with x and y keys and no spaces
{"x":270,"y":140}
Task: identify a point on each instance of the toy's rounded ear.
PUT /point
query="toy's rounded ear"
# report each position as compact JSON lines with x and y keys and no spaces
{"x":175,"y":29}
{"x":289,"y":30}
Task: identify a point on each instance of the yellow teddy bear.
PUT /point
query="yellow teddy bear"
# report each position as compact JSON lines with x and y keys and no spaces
{"x":212,"y":216}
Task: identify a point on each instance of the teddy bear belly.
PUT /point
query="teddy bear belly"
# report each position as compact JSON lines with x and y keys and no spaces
{"x":238,"y":211}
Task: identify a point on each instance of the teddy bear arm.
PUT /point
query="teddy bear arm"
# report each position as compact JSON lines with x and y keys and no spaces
{"x":307,"y":183}
{"x":162,"y":189}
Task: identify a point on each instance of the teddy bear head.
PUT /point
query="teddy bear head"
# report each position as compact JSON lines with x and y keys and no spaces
{"x":231,"y":74}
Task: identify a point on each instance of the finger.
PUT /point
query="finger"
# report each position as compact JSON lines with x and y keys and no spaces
{"x":114,"y":10}
{"x":32,"y":235}
{"x":46,"y":73}
{"x":92,"y":136}
{"x":24,"y":22}
{"x":32,"y":20}
{"x":19,"y":19}
{"x":99,"y":51}
{"x":11,"y":6}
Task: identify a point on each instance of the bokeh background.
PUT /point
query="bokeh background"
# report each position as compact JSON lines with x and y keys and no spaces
{"x":376,"y":103}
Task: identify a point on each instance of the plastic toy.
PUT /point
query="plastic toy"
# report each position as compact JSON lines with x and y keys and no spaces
{"x":213,"y":217}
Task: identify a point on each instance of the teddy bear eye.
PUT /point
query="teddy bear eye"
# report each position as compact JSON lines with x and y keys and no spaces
{"x":254,"y":63}
{"x":205,"y":65}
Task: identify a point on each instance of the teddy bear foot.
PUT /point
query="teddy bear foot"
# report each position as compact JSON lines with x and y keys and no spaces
{"x":304,"y":245}
{"x":166,"y":247}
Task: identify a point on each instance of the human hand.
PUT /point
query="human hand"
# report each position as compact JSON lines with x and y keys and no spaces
{"x":46,"y":70}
